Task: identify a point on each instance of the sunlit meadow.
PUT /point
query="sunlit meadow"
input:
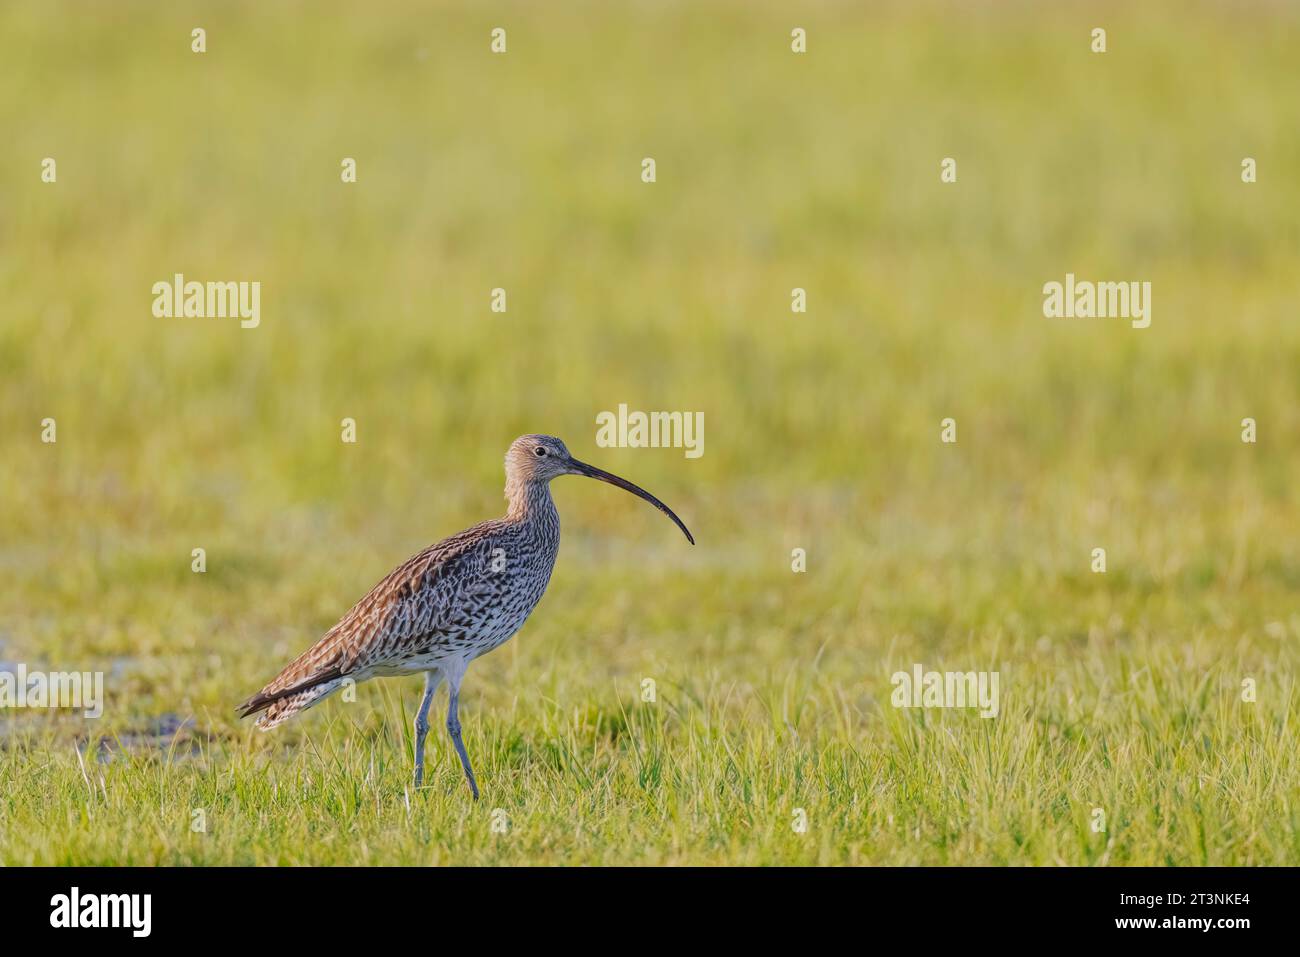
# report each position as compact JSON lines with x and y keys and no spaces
{"x":1121,"y":692}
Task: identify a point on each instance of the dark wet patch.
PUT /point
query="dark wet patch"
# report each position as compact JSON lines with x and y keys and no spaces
{"x":169,"y":736}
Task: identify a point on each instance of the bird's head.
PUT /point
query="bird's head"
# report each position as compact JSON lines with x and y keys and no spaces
{"x":536,"y":459}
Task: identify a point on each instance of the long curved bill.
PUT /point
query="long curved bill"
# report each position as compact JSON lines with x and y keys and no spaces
{"x":582,"y":468}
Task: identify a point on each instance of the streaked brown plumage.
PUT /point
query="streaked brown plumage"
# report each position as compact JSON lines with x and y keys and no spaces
{"x":447,"y":605}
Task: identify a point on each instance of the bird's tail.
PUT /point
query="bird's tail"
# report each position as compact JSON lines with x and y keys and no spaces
{"x":285,"y":708}
{"x":278,"y":705}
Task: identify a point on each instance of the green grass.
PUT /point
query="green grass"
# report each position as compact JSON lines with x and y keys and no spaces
{"x":1120,"y":692}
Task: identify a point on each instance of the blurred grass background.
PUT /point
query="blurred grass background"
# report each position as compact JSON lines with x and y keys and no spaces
{"x":821,"y":430}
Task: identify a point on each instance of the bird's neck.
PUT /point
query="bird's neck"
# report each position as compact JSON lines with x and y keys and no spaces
{"x":530,"y":501}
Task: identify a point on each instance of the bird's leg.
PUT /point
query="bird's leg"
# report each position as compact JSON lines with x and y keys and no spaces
{"x":453,"y":728}
{"x":431,"y":680}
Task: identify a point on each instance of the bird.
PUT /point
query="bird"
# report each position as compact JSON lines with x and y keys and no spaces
{"x":447,"y":605}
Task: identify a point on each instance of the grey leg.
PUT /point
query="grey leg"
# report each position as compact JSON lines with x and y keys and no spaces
{"x":431,"y":681}
{"x":453,"y":728}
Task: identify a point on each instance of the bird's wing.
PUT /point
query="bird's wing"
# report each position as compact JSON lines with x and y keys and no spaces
{"x":419,"y":598}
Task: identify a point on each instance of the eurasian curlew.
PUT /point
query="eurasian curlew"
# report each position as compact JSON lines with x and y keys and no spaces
{"x":447,"y":605}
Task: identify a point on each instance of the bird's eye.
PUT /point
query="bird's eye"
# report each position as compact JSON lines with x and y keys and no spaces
{"x":540,"y":450}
